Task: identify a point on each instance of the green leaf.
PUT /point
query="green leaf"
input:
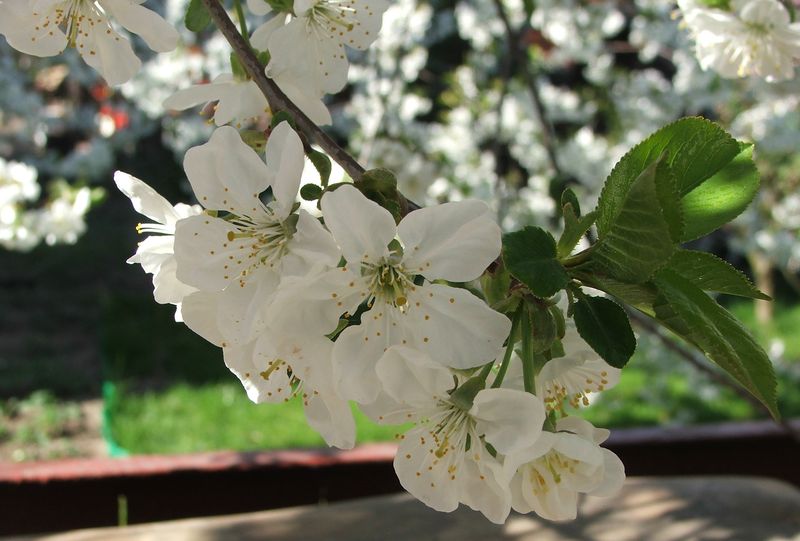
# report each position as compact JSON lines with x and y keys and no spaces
{"x":696,"y":149}
{"x":606,"y":328}
{"x":322,"y":163}
{"x":197,"y":17}
{"x":710,"y":273}
{"x":640,"y":296}
{"x":638,"y":241}
{"x":691,"y":313}
{"x":722,"y":197}
{"x":530,"y":256}
{"x":574,"y":228}
{"x":310,"y":192}
{"x":568,"y":197}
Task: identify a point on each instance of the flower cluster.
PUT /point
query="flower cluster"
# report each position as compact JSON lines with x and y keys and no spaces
{"x":753,"y":37}
{"x":354,"y":306}
{"x":60,"y":220}
{"x":47,"y":28}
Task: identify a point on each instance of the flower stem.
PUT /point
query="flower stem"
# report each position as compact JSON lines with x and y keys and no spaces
{"x":237,"y":5}
{"x":512,"y":339}
{"x":528,"y":367}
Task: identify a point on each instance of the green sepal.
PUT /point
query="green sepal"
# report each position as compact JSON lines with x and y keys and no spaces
{"x":542,"y":326}
{"x":605,"y":326}
{"x":495,"y":284}
{"x":530,"y":256}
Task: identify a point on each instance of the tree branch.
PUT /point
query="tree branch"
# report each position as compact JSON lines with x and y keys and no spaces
{"x":520,"y":61}
{"x":276,"y":98}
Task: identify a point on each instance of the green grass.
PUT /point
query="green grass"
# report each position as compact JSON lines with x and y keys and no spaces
{"x":217,"y":416}
{"x":199,"y":406}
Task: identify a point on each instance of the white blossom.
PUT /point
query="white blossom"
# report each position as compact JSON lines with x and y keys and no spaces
{"x":47,"y":27}
{"x":445,"y":459}
{"x":454,"y":242}
{"x":238,"y":101}
{"x":757,"y":38}
{"x":548,"y":476}
{"x":156,"y":253}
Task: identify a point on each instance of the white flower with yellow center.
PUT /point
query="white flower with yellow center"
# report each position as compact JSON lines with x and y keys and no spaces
{"x":47,"y":27}
{"x":579,"y":373}
{"x":236,"y":252}
{"x":548,"y":476}
{"x":312,"y":44}
{"x":453,"y":454}
{"x":756,"y":38}
{"x":390,"y":270}
{"x":156,"y":252}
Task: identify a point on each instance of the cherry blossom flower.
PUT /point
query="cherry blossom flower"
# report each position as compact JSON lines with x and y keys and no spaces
{"x":47,"y":27}
{"x":548,"y":476}
{"x":386,"y":269}
{"x":757,"y":38}
{"x":236,"y":252}
{"x":453,"y":454}
{"x":313,"y":42}
{"x":156,"y":252}
{"x":238,"y":101}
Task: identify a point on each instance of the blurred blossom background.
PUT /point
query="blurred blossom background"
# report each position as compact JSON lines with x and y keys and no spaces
{"x":91,"y":366}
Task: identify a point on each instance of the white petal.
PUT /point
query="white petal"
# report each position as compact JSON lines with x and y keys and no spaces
{"x":110,"y":54}
{"x":362,"y":228}
{"x":226,"y":174}
{"x":167,"y":289}
{"x":481,"y":486}
{"x":411,"y":377}
{"x":332,"y":418}
{"x":153,"y":29}
{"x":455,"y":327}
{"x":314,"y":303}
{"x":302,"y":95}
{"x":312,"y":245}
{"x":613,"y":476}
{"x":258,"y":7}
{"x":145,"y":200}
{"x":264,"y":376}
{"x":207,"y":259}
{"x":198,"y":94}
{"x":199,"y":312}
{"x":260,"y":37}
{"x":357,"y":351}
{"x":510,"y":420}
{"x":18,"y":24}
{"x":433,"y":486}
{"x":454,"y":241}
{"x":285,"y":161}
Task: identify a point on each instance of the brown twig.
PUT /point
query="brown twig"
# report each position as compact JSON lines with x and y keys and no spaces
{"x":520,"y":61}
{"x":276,"y":98}
{"x":701,"y":365}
